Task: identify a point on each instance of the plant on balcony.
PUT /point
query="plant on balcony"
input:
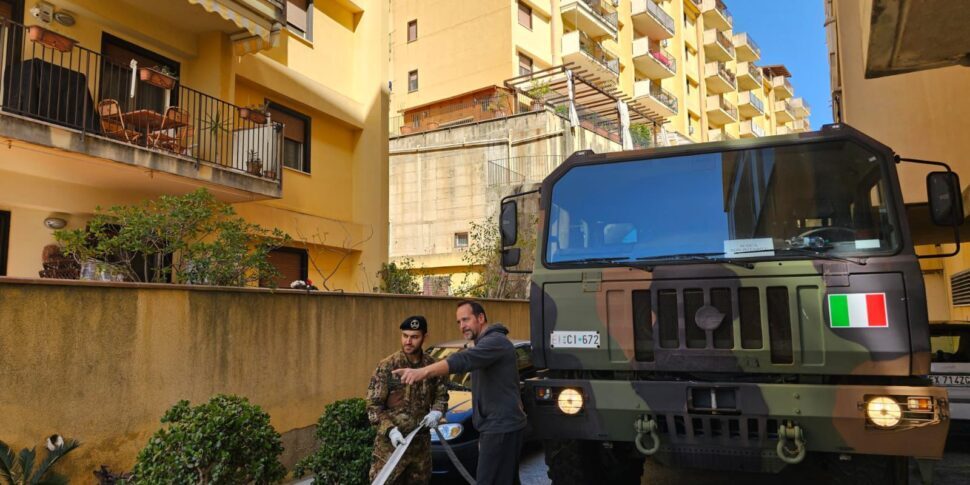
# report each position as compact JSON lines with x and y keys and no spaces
{"x":159,"y":76}
{"x":641,"y":134}
{"x":538,"y":91}
{"x":191,"y":238}
{"x":50,"y":38}
{"x":226,"y":440}
{"x":258,"y":114}
{"x":19,"y":469}
{"x":254,"y":164}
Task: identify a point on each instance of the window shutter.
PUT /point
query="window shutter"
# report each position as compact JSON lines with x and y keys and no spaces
{"x":296,"y":13}
{"x":293,"y":128}
{"x":412,"y":31}
{"x":291,"y":264}
{"x":525,"y":15}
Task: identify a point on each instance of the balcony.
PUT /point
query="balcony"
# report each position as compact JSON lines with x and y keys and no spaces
{"x":783,"y":130}
{"x":716,"y":15}
{"x":719,"y":78}
{"x":749,"y":76}
{"x":594,"y":17}
{"x":719,"y":135}
{"x":654,"y":62}
{"x":745,"y":48}
{"x":800,"y":107}
{"x":783,"y":112}
{"x":655,"y":98}
{"x":80,"y":101}
{"x":750,"y":105}
{"x":650,"y":19}
{"x":717,"y":46}
{"x":751,"y":129}
{"x":585,"y":53}
{"x":799,"y":126}
{"x":782,"y":87}
{"x":720,"y":111}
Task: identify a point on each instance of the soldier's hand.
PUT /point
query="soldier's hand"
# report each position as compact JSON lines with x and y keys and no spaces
{"x":397,"y":439}
{"x":431,"y":419}
{"x":410,"y":376}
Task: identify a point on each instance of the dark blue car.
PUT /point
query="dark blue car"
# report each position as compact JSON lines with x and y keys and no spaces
{"x":456,"y":425}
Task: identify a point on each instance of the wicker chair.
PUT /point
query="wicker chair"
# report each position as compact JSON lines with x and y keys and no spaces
{"x":113,"y":123}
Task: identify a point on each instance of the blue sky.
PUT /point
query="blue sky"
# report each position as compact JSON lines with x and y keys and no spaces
{"x":790,"y":32}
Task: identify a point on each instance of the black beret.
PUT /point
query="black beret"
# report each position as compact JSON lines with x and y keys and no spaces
{"x":415,"y":322}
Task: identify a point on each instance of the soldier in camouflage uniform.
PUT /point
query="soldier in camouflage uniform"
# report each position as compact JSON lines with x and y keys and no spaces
{"x":396,"y":409}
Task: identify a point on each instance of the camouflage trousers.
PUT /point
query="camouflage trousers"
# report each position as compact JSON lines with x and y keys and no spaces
{"x":415,"y":465}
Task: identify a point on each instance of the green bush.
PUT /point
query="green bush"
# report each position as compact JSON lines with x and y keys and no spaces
{"x":346,"y":440}
{"x":227,"y":440}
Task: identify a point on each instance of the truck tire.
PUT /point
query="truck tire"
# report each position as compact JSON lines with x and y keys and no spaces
{"x":577,"y":462}
{"x":860,"y":470}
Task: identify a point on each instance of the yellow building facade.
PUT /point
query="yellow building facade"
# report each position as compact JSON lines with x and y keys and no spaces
{"x":679,"y":59}
{"x":278,"y":107}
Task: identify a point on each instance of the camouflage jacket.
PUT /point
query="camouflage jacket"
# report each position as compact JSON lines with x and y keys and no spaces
{"x":390,"y":403}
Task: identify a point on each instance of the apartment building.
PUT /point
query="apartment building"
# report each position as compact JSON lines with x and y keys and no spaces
{"x":275,"y":106}
{"x":898,"y":78}
{"x":680,"y":61}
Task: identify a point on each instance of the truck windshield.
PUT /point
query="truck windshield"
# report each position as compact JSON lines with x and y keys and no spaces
{"x":825,"y":197}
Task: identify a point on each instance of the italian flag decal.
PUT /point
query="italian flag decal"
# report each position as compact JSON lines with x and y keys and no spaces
{"x":858,"y":310}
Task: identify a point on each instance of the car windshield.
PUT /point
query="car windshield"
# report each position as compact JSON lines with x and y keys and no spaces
{"x":950,"y":345}
{"x":460,"y":381}
{"x":785,"y":201}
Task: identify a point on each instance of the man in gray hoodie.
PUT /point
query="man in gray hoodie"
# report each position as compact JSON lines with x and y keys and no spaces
{"x":496,"y":404}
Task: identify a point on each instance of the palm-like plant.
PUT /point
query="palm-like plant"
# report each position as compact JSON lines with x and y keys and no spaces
{"x":19,"y":469}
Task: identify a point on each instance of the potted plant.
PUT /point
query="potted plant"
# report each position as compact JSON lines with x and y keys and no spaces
{"x":254,"y":165}
{"x":258,"y":114}
{"x":160,"y":76}
{"x":538,"y":91}
{"x":51,"y":39}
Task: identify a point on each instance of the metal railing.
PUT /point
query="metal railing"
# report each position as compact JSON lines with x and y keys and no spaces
{"x":756,"y":102}
{"x":720,"y":7}
{"x":665,"y":97}
{"x":725,"y":73}
{"x":784,"y":105}
{"x":755,"y":72}
{"x":663,"y":17}
{"x":723,"y":40}
{"x":604,"y":12}
{"x":664,"y":58}
{"x":725,"y":106}
{"x":744,"y":38}
{"x":596,"y":51}
{"x":783,"y":83}
{"x":83,"y":90}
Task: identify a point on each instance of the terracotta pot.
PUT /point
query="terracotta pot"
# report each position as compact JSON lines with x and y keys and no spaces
{"x":156,"y":78}
{"x":254,"y":167}
{"x":252,"y":115}
{"x":270,"y":174}
{"x":50,"y":38}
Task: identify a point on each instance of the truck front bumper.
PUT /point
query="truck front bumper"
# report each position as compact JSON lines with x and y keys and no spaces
{"x":740,"y":421}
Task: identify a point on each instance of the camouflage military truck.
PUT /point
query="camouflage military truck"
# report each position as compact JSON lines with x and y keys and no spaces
{"x":752,"y":305}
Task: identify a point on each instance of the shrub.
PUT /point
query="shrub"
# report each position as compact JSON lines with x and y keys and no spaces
{"x":398,"y":278}
{"x":346,"y":441}
{"x":227,"y":440}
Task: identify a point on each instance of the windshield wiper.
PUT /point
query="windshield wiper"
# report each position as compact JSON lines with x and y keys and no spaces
{"x":610,"y":260}
{"x":818,"y":253}
{"x":706,"y":257}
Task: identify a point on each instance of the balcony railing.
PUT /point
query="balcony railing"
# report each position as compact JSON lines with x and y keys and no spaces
{"x":82,"y":90}
{"x":720,"y":7}
{"x":724,"y":72}
{"x":756,"y":102}
{"x":665,"y":58}
{"x":755,"y":72}
{"x":596,"y":51}
{"x":658,"y":13}
{"x":608,"y":14}
{"x":665,"y":97}
{"x":744,"y":38}
{"x":724,"y":41}
{"x":726,"y":106}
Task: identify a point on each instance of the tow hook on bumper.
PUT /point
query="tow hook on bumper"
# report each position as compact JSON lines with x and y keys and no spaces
{"x":791,"y":443}
{"x":646,"y":427}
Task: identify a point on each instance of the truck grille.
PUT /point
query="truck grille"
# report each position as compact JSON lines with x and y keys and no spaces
{"x":664,"y":319}
{"x":686,"y":428}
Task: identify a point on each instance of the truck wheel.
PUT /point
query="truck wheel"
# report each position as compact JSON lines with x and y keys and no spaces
{"x":577,"y":462}
{"x":860,"y":470}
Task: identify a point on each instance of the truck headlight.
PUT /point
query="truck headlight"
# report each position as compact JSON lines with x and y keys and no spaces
{"x":450,"y":431}
{"x":570,"y":401}
{"x":884,"y":412}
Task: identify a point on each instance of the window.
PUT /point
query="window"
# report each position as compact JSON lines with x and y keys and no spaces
{"x":413,"y":81}
{"x":116,"y":75}
{"x":412,"y":31}
{"x":299,"y":17}
{"x":525,"y":16}
{"x":4,"y":240}
{"x":296,"y":136}
{"x":291,"y":263}
{"x":6,"y":10}
{"x":525,"y":65}
{"x":461,"y":240}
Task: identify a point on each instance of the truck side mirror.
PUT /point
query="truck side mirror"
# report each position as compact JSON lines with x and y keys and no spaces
{"x":510,"y":257}
{"x":508,"y":225}
{"x":945,"y":200}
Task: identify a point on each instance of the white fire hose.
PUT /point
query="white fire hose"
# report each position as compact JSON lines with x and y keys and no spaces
{"x":402,"y":448}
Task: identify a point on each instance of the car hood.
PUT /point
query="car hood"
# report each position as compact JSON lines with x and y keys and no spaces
{"x":459,"y":407}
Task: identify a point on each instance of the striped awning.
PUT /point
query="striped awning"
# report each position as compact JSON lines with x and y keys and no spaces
{"x":257,"y":32}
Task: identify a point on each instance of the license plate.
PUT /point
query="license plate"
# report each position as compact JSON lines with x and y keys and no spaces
{"x":574,"y":340}
{"x":950,"y":380}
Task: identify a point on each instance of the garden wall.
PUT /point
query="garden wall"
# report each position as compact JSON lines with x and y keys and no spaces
{"x":101,"y":362}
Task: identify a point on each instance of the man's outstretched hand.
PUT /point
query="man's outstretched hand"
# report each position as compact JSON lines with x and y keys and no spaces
{"x":410,"y":376}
